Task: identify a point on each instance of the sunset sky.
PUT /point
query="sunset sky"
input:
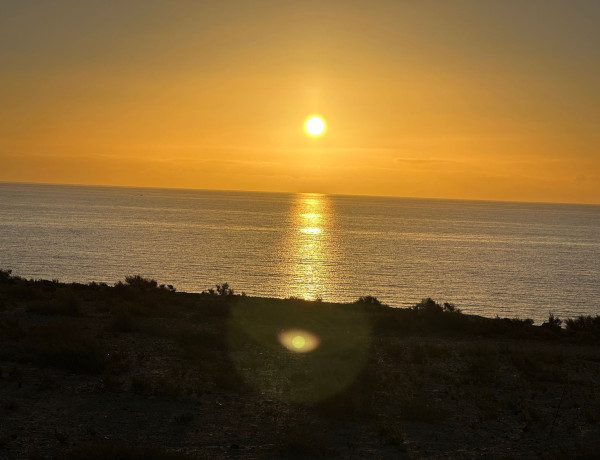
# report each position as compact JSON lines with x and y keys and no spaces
{"x":473,"y":99}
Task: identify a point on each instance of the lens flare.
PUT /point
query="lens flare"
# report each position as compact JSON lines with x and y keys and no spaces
{"x":296,"y":351}
{"x":299,"y":340}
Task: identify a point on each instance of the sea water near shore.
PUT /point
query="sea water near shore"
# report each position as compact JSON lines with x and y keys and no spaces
{"x":489,"y":258}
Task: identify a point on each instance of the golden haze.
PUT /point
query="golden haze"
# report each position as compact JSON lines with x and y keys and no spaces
{"x":421,"y":99}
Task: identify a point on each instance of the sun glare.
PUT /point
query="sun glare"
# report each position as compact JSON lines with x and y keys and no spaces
{"x":315,"y":126}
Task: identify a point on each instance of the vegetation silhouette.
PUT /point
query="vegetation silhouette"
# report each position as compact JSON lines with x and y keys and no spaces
{"x":181,"y":360}
{"x":220,"y":289}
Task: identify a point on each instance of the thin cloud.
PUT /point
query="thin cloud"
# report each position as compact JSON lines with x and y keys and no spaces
{"x":425,"y":161}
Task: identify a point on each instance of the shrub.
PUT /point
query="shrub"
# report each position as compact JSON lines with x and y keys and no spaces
{"x":168,"y":287}
{"x":450,"y":308}
{"x":224,"y":289}
{"x":221,"y":289}
{"x":369,"y":300}
{"x":95,"y":285}
{"x":584,"y":324}
{"x":553,"y":323}
{"x":518,"y":322}
{"x":140,"y":283}
{"x":428,"y":306}
{"x":6,"y":277}
{"x":145,"y":296}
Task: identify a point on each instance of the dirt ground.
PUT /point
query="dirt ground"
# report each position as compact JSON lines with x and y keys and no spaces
{"x":108,"y":372}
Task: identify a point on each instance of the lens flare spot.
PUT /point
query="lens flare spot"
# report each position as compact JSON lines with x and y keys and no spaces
{"x":299,"y":340}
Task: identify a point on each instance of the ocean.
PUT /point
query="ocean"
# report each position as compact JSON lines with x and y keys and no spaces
{"x":490,"y":258}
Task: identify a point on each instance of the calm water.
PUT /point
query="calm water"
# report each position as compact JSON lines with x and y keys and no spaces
{"x":490,"y":258}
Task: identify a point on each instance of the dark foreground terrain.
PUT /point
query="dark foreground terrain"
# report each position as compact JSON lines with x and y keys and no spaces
{"x":138,"y":370}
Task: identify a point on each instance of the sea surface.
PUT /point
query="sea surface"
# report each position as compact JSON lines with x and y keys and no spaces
{"x":489,"y":258}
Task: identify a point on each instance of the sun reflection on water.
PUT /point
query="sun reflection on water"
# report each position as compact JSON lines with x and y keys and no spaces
{"x":309,"y":252}
{"x":311,"y":230}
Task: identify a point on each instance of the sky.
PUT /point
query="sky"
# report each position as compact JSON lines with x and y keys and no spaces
{"x":494,"y":100}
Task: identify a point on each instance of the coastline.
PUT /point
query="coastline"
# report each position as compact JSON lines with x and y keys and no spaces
{"x":511,"y":260}
{"x":141,"y":370}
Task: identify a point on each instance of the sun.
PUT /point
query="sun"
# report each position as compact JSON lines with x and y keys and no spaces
{"x":315,"y":125}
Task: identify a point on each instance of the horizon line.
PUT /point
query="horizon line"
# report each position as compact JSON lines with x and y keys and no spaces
{"x":487,"y":200}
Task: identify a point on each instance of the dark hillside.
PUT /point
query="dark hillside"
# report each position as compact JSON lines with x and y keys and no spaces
{"x":138,"y":370}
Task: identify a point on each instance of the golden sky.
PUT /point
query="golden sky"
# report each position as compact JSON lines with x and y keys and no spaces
{"x":452,"y":99}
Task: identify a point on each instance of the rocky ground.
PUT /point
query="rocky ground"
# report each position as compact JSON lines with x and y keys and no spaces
{"x":140,"y":371}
